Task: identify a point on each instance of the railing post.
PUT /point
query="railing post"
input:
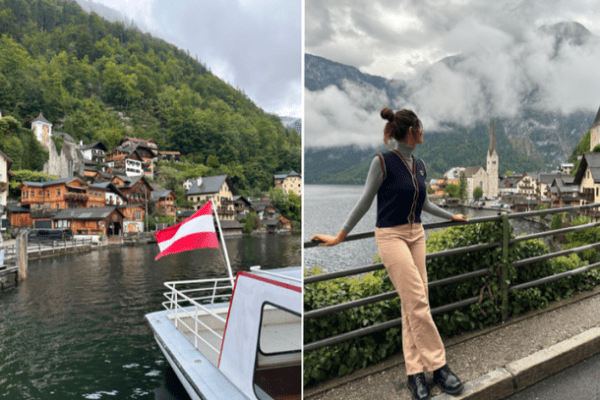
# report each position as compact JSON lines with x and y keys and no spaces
{"x":505,"y":266}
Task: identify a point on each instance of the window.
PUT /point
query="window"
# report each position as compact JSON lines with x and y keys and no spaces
{"x":279,"y":354}
{"x":138,"y":215}
{"x":42,"y":193}
{"x":58,"y":192}
{"x":48,"y":193}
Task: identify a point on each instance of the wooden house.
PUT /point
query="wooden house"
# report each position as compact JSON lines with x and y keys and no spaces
{"x":218,"y":188}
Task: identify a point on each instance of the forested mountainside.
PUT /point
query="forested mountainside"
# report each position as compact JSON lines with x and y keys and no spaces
{"x":98,"y":81}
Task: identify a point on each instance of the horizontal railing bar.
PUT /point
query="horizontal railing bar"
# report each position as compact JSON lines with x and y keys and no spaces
{"x":378,"y":266}
{"x":445,"y":224}
{"x":551,"y":211}
{"x":460,"y":250}
{"x":554,"y":277}
{"x":431,"y":225}
{"x":389,"y":295}
{"x":553,"y":232}
{"x":382,"y":326}
{"x":544,"y":257}
{"x":340,"y":274}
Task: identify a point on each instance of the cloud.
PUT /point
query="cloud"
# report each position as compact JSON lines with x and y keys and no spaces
{"x":255,"y":45}
{"x":462,"y":60}
{"x":335,"y":117}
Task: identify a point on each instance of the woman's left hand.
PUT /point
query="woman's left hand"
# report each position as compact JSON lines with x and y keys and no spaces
{"x":459,"y":218}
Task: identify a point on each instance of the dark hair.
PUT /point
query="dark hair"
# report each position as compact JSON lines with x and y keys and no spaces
{"x":399,"y":122}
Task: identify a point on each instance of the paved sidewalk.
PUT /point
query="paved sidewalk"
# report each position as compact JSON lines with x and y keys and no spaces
{"x":494,"y":362}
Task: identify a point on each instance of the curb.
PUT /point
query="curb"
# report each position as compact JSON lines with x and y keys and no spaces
{"x":527,"y":371}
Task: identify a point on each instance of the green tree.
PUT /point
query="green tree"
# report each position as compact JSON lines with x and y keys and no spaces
{"x":452,"y":190}
{"x":462,"y":186}
{"x":477,"y":192}
{"x":212,"y":161}
{"x":249,"y":222}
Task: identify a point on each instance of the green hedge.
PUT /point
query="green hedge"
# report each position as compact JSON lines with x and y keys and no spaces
{"x":343,"y":358}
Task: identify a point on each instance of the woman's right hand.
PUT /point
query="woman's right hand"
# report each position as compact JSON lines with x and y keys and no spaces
{"x":328,"y":240}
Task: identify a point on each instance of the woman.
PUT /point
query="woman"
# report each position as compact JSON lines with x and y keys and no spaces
{"x":398,"y":179}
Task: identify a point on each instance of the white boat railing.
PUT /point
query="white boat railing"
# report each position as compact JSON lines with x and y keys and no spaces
{"x":187,"y":305}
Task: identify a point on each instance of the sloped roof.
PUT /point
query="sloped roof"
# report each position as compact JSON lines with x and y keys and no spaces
{"x":470,"y":171}
{"x":210,"y":184}
{"x":95,"y":145}
{"x":159,"y":194}
{"x":50,"y":183}
{"x":40,"y":118}
{"x":591,"y":161}
{"x":260,"y":205}
{"x":230,"y":224}
{"x":283,"y":176}
{"x":270,"y":221}
{"x":102,"y":185}
{"x":186,"y":214}
{"x":85,"y":213}
{"x":63,"y":135}
{"x":17,"y":209}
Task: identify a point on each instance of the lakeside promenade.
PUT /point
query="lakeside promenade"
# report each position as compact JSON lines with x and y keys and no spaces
{"x":495,"y":362}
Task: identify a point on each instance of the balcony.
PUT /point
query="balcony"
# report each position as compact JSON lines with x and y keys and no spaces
{"x":75,"y":198}
{"x":43,"y":213}
{"x":225,"y":211}
{"x":3,"y":187}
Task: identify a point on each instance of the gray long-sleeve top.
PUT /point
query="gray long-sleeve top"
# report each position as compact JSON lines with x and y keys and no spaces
{"x":374,"y":180}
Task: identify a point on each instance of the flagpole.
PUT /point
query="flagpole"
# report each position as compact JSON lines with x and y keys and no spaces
{"x":223,"y":241}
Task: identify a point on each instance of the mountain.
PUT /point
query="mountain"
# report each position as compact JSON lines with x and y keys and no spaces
{"x":536,"y":138}
{"x":292,"y":123}
{"x":320,"y":72}
{"x":101,"y":81}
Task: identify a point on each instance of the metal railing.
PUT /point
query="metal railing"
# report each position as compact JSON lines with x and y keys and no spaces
{"x":502,"y":268}
{"x":183,"y":305}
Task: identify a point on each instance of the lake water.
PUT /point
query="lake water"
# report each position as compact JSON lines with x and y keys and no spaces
{"x":75,"y":328}
{"x":326,"y":208}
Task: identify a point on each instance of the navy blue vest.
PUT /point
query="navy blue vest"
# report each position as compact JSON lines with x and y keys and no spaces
{"x":401,"y":196}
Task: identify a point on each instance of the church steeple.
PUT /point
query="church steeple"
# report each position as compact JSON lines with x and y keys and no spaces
{"x":492,"y":165}
{"x":492,"y":148}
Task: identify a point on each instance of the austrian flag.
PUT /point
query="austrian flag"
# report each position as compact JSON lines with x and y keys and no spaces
{"x":196,"y":232}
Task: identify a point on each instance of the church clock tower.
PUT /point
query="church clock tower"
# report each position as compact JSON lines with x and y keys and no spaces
{"x":492,"y":165}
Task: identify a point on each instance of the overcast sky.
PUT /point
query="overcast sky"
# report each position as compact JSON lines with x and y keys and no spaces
{"x":254,"y":45}
{"x":504,"y":58}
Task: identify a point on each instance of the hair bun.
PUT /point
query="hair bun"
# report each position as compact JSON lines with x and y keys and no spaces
{"x":387,"y":113}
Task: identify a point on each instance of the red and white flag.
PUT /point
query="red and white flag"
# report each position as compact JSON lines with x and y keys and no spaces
{"x":196,"y":232}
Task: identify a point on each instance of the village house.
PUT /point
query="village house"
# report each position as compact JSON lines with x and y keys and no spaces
{"x":218,"y":188}
{"x":242,"y":206}
{"x":169,"y":156}
{"x":133,"y":217}
{"x":111,"y":193}
{"x":265,"y":209}
{"x":45,"y":198}
{"x":19,"y":217}
{"x":564,"y":192}
{"x":165,"y":202}
{"x":129,"y":160}
{"x":231,"y":227}
{"x":526,"y":186}
{"x":595,"y":132}
{"x":287,"y":182}
{"x":587,"y":178}
{"x":103,"y":220}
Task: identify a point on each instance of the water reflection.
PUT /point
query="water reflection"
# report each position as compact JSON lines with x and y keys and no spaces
{"x":75,"y":327}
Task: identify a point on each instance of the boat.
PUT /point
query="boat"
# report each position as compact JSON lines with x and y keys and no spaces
{"x":235,"y":339}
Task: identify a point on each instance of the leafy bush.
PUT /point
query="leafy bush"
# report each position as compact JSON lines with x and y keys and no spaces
{"x":343,"y":358}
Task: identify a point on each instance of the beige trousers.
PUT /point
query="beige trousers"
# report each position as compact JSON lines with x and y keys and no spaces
{"x":402,"y":250}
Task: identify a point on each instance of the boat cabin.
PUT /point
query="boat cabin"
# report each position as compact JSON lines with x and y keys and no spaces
{"x":235,"y":341}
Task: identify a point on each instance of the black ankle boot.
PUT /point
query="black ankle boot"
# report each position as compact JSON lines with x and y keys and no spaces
{"x":416,"y":384}
{"x":448,"y":382}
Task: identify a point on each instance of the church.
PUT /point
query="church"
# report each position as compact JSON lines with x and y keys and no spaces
{"x":486,"y":179}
